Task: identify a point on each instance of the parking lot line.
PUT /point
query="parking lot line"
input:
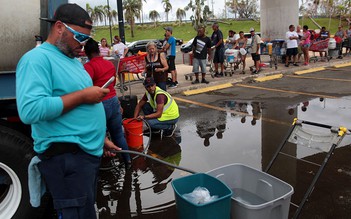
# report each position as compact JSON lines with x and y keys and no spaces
{"x":286,"y":91}
{"x":228,"y":110}
{"x":342,"y":65}
{"x":268,"y":78}
{"x":206,"y":89}
{"x":327,"y":79}
{"x":309,"y":71}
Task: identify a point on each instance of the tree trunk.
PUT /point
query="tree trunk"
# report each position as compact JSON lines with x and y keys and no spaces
{"x":132,"y":28}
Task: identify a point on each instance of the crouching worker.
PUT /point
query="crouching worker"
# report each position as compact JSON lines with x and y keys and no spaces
{"x":160,"y":109}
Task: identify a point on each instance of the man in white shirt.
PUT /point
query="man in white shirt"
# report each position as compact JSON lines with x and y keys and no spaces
{"x":119,"y":49}
{"x":291,"y":45}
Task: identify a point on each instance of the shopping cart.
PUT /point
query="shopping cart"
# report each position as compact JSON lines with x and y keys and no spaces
{"x":319,"y":46}
{"x":274,"y":50}
{"x":130,"y":69}
{"x":232,"y":61}
{"x":320,"y":137}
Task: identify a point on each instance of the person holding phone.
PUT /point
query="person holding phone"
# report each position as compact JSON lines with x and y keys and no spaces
{"x":56,"y":96}
{"x":101,"y":71}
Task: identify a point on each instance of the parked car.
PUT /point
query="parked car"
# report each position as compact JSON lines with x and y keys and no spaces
{"x":178,"y":41}
{"x":140,"y":45}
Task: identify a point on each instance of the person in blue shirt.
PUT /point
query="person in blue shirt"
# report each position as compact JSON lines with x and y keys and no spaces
{"x":171,"y":55}
{"x":57,"y":97}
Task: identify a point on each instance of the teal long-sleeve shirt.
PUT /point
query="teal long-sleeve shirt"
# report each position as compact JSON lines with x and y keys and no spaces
{"x":43,"y":75}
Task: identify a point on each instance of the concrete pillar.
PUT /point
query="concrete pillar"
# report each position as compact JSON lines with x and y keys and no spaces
{"x":276,"y":16}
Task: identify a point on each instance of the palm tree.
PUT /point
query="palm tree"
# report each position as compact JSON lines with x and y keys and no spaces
{"x":180,"y":14}
{"x":132,"y":10}
{"x":200,"y":13}
{"x":97,"y":14}
{"x":141,"y":11}
{"x":114,"y":16}
{"x":167,"y":6}
{"x":89,"y":9}
{"x":107,"y":13}
{"x":154,"y":15}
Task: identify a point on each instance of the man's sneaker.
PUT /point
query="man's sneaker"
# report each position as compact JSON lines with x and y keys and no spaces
{"x":216,"y":74}
{"x":153,"y":131}
{"x":295,"y":64}
{"x":173,"y":85}
{"x":254,"y":72}
{"x":204,"y":81}
{"x":196,"y":81}
{"x":170,"y":132}
{"x":177,"y":83}
{"x":219,"y":75}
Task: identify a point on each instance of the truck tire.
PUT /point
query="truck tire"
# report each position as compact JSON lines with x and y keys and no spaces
{"x":15,"y":154}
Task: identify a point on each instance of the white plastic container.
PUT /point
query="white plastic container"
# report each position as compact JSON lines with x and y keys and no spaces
{"x":332,"y":43}
{"x":255,"y":194}
{"x":230,"y":54}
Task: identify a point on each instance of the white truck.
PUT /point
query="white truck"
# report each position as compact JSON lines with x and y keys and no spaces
{"x":19,"y":25}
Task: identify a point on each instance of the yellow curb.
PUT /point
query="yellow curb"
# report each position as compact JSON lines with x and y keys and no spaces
{"x":206,"y":89}
{"x":342,"y":65}
{"x":268,"y":78}
{"x":309,"y":71}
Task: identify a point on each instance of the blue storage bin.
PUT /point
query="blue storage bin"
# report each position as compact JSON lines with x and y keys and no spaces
{"x":217,"y":209}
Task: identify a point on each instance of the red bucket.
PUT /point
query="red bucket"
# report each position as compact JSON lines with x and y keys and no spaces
{"x":133,"y":129}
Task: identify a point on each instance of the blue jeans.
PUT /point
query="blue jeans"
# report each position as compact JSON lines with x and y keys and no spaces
{"x":155,"y":123}
{"x":162,"y":85}
{"x":71,"y":179}
{"x":114,"y":124}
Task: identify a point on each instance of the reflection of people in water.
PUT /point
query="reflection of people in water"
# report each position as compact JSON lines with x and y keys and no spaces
{"x":206,"y":129}
{"x":256,"y":112}
{"x":116,"y":185}
{"x":304,"y":106}
{"x":243,"y":109}
{"x":221,"y":122}
{"x":167,"y":150}
{"x":114,"y":193}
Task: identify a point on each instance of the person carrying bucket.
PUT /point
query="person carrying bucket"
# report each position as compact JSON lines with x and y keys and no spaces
{"x":160,"y":109}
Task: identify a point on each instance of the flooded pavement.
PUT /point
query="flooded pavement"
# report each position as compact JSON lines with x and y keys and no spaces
{"x":239,"y":125}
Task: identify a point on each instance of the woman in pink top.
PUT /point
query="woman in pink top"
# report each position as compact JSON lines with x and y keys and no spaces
{"x":305,"y":44}
{"x":104,"y":48}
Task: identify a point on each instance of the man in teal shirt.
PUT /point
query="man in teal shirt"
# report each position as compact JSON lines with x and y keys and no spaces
{"x":57,"y":97}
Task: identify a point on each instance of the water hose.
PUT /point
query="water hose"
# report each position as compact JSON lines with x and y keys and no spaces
{"x":155,"y":159}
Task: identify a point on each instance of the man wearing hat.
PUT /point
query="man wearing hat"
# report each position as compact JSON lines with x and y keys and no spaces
{"x":171,"y":55}
{"x":160,"y":109}
{"x":57,"y":97}
{"x":255,"y":50}
{"x":119,"y":49}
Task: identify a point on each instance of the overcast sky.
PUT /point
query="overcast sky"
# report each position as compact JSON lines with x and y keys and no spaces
{"x":218,"y":6}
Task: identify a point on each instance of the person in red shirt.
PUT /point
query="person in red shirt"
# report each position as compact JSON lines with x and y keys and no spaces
{"x":101,"y":71}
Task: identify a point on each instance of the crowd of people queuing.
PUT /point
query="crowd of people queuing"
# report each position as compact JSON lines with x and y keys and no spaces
{"x":70,"y":111}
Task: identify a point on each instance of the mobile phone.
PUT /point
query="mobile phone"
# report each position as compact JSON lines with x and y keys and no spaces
{"x":112,"y":79}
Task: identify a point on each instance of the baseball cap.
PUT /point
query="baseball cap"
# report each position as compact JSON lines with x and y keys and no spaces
{"x":71,"y":14}
{"x":168,"y":29}
{"x":149,"y":82}
{"x":252,"y":29}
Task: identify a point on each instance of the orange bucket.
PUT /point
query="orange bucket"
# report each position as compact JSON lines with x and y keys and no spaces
{"x":134,"y":132}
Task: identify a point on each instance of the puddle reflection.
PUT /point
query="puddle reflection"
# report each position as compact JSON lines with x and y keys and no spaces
{"x":243,"y":131}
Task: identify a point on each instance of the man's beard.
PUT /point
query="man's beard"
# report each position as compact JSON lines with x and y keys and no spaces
{"x":63,"y":46}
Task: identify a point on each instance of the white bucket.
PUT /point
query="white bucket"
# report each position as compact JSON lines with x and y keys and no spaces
{"x":229,"y":52}
{"x":243,"y":51}
{"x":332,"y":43}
